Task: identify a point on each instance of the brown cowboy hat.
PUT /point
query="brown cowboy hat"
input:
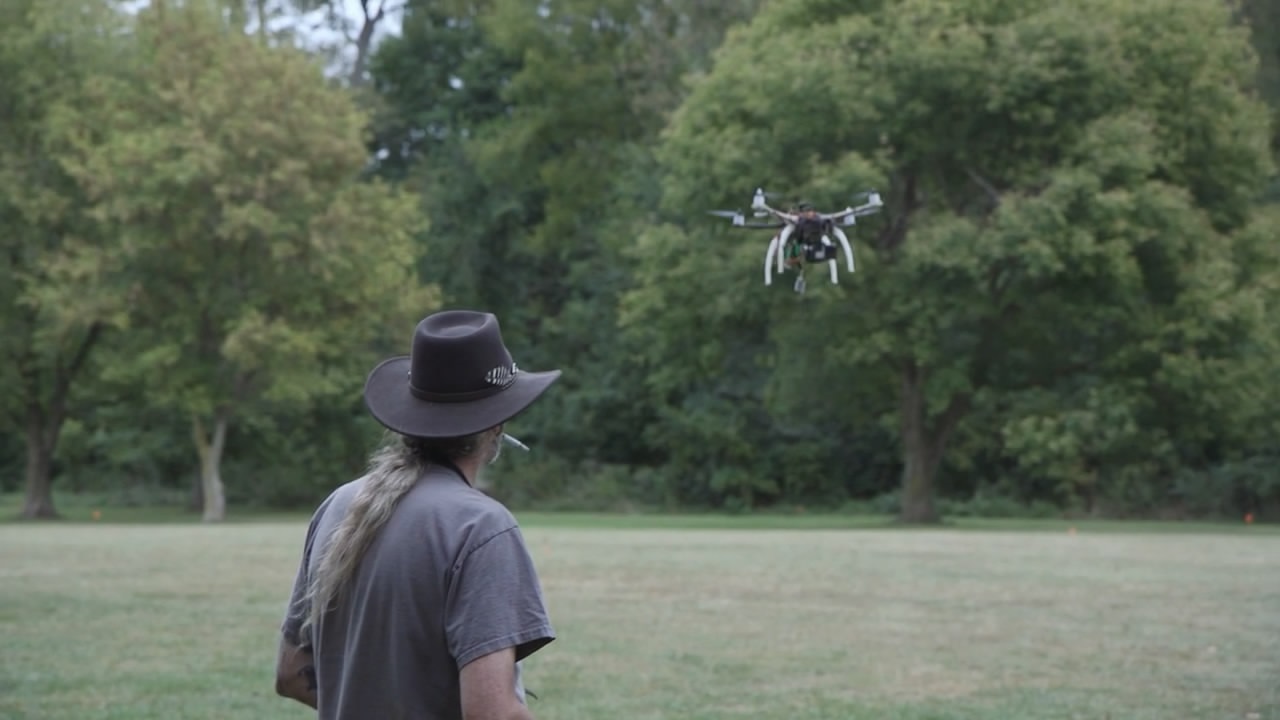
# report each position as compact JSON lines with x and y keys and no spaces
{"x":458,"y":379}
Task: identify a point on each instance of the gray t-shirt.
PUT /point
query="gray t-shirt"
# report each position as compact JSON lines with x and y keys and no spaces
{"x":448,"y":579}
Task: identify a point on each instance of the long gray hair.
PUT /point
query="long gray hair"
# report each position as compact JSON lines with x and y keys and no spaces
{"x":393,"y":470}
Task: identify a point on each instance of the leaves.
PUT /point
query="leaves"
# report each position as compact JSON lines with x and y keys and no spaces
{"x":1057,"y":196}
{"x":265,"y":271}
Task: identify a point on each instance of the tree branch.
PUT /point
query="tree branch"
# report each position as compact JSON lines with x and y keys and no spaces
{"x":986,"y":186}
{"x":63,"y":376}
{"x":28,"y":370}
{"x":896,"y":232}
{"x":82,"y":352}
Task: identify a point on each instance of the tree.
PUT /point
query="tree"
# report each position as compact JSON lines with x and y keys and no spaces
{"x":529,"y":131}
{"x":359,"y":32}
{"x":54,"y":306}
{"x":267,"y":270}
{"x":1057,"y":179}
{"x":1264,"y":19}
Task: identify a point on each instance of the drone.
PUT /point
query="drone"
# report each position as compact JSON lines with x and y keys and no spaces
{"x":805,"y":234}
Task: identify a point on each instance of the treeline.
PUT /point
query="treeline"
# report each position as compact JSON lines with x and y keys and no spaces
{"x":1067,"y":305}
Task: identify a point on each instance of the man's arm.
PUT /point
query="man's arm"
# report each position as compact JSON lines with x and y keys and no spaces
{"x":295,"y":666}
{"x":296,"y":673}
{"x":487,"y":685}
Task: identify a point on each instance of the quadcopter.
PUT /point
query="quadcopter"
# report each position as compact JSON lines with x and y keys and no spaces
{"x":805,"y":234}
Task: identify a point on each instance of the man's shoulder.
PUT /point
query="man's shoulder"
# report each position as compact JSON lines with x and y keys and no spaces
{"x":458,"y":503}
{"x":339,"y":496}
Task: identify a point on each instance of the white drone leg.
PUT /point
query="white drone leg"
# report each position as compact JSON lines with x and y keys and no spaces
{"x":768,"y":261}
{"x":782,"y":248}
{"x":826,"y":242}
{"x":844,"y":242}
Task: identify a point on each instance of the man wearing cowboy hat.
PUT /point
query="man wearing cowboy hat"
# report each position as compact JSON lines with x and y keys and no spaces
{"x":416,"y":596}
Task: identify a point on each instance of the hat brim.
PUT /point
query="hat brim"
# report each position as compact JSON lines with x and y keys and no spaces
{"x":386,"y":394}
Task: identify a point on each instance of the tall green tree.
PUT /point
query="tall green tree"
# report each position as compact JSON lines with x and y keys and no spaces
{"x":529,"y":130}
{"x":438,"y":84}
{"x":1063,"y":186}
{"x":54,"y":307}
{"x":1264,"y":20}
{"x":267,"y":271}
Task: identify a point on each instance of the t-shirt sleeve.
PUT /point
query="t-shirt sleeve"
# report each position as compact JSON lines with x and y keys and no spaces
{"x":495,"y":601}
{"x":297,"y":609}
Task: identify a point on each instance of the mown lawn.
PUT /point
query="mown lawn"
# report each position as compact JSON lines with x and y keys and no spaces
{"x":987,"y":620}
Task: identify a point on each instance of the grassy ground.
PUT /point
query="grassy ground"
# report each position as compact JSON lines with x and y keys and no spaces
{"x":82,"y":508}
{"x":171,"y":620}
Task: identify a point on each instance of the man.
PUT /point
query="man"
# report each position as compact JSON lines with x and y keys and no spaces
{"x":416,"y":597}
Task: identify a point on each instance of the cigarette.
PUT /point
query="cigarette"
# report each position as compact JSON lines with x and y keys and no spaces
{"x":515,"y":442}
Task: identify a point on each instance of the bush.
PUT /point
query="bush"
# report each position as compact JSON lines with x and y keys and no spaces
{"x":984,"y":505}
{"x":554,"y":484}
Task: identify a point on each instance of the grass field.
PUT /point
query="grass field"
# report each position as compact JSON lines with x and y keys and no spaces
{"x":178,"y":620}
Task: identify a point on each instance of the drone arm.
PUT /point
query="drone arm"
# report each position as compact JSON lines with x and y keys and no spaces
{"x":776,"y":213}
{"x":873,"y":204}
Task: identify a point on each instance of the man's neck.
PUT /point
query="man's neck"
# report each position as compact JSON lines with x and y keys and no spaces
{"x":470,"y":468}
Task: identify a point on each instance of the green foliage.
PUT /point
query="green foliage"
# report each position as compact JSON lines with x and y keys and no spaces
{"x":118,"y":447}
{"x":1067,"y":306}
{"x":1263,"y":18}
{"x":54,"y":305}
{"x":529,"y":134}
{"x":261,"y":270}
{"x":1062,"y":186}
{"x":288,"y":459}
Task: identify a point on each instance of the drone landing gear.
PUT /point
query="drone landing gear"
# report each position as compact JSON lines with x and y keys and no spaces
{"x":768,"y":261}
{"x":844,"y":244}
{"x":787,"y":254}
{"x":777,"y":250}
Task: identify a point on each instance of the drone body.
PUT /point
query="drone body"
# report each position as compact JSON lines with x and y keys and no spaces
{"x":804,"y":235}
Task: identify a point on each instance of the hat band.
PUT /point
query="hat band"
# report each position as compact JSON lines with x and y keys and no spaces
{"x":452,"y":397}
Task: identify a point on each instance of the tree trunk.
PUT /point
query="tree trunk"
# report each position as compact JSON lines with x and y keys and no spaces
{"x":261,"y":7}
{"x":39,"y":495}
{"x":923,"y":444}
{"x":209,"y":448}
{"x":44,"y":418}
{"x":364,"y":41}
{"x":195,"y":503}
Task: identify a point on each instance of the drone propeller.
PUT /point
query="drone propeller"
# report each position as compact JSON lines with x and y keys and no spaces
{"x":871,"y":197}
{"x":724,"y":213}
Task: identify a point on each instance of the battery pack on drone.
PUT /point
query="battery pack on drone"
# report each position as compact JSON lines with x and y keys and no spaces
{"x":819,"y":253}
